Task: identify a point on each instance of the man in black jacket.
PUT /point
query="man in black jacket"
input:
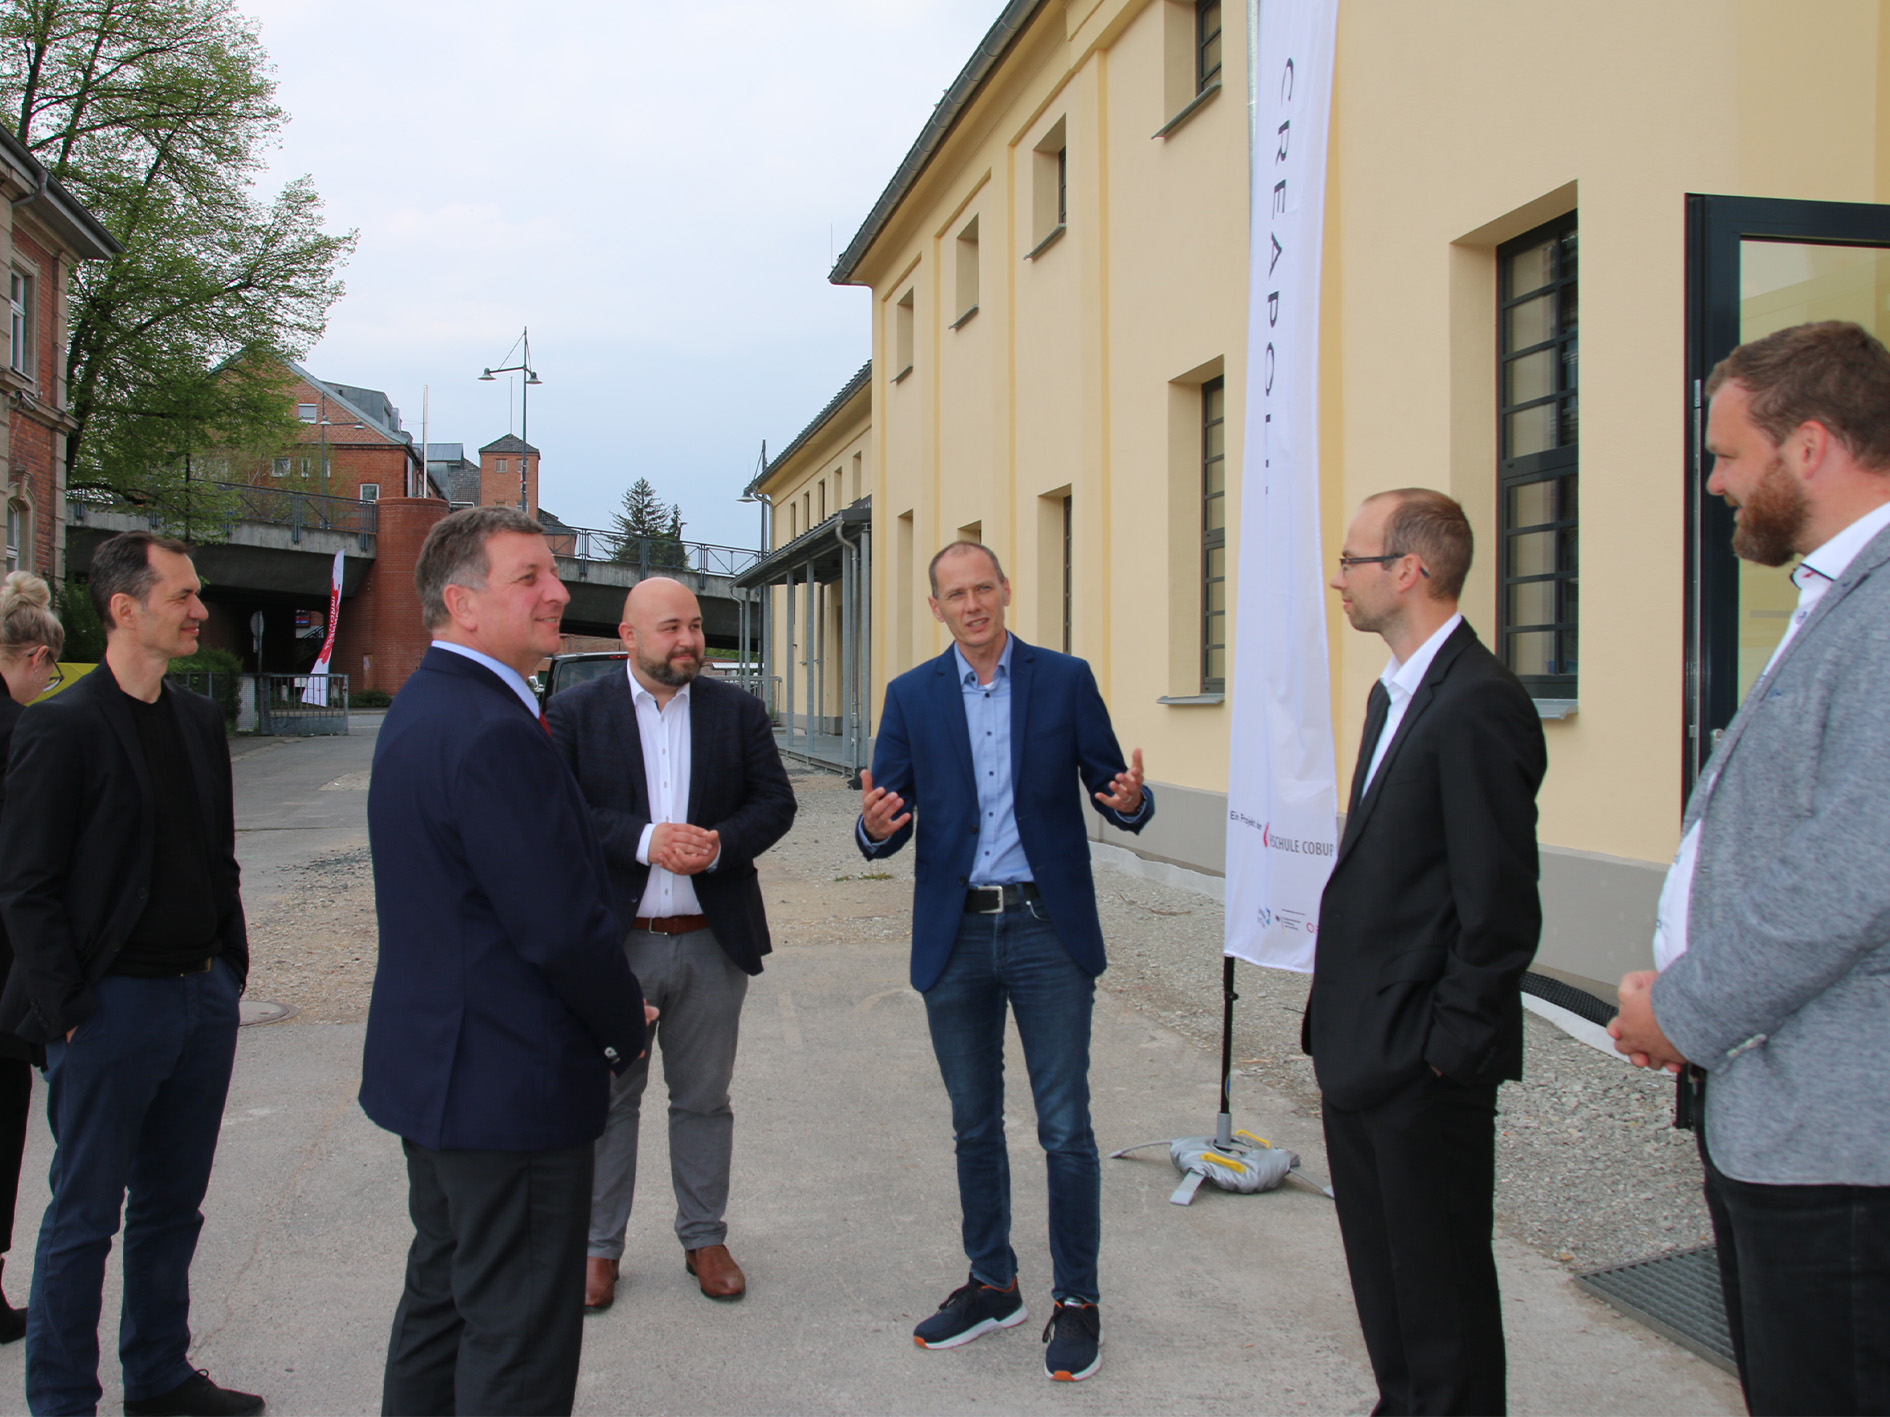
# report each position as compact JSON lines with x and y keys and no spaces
{"x":118,"y":882}
{"x":1426,"y":926}
{"x":687,"y":789}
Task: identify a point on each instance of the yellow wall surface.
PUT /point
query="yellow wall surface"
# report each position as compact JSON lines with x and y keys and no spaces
{"x":833,"y":461}
{"x":1457,"y":125}
{"x":1079,"y":374}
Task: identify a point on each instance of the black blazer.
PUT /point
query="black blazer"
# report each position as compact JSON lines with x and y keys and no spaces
{"x":737,"y":787}
{"x":502,"y":1002}
{"x":75,"y":847}
{"x":1431,"y":913}
{"x":11,"y":1047}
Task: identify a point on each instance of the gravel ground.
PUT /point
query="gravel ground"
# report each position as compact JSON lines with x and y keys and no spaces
{"x":1588,"y":1168}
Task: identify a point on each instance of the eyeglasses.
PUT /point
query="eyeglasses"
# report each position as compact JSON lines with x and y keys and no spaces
{"x":56,"y":677}
{"x":1347,"y":562}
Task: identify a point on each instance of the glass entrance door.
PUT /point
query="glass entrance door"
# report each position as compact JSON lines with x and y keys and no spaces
{"x":1756,"y":266}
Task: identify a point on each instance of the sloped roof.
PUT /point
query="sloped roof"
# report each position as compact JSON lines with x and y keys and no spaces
{"x":821,"y":420}
{"x":510,"y":443}
{"x":990,"y":52}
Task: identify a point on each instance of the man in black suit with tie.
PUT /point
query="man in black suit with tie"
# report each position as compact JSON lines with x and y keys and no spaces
{"x":118,"y":881}
{"x":1427,"y":923}
{"x":687,"y":789}
{"x":501,"y":1001}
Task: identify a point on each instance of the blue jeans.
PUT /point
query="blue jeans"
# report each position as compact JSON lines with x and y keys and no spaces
{"x":1016,"y":958}
{"x":135,"y":1101}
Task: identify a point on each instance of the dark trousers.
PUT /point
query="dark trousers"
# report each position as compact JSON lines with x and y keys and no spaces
{"x":135,"y":1102}
{"x":1806,"y":1274}
{"x":1015,"y":958}
{"x":492,"y":1319}
{"x":1415,"y":1182}
{"x":16,"y":1100}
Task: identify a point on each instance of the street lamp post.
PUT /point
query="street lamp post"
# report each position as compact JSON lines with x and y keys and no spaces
{"x":524,"y":366}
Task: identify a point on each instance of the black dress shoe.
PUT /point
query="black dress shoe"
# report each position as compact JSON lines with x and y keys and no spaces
{"x":196,"y":1396}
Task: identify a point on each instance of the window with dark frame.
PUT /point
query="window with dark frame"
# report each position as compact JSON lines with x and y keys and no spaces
{"x":1207,"y":43}
{"x":1538,"y":450}
{"x":1214,"y":536}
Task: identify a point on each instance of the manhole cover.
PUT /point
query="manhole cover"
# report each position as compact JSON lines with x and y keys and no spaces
{"x":263,"y":1011}
{"x":1677,"y":1296}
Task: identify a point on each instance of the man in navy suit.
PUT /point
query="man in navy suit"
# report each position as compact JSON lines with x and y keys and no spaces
{"x":686,"y":789}
{"x":992,"y":746}
{"x":502,"y":1002}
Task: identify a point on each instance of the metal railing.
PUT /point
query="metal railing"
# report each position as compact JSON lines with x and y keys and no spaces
{"x":281,"y":708}
{"x":651,"y":555}
{"x":211,"y":511}
{"x":214,"y":684}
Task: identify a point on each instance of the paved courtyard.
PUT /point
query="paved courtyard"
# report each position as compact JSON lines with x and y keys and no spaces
{"x":844,"y":1210}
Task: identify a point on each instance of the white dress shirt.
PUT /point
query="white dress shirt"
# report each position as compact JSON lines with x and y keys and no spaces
{"x":664,"y":733}
{"x":1813,"y":576}
{"x":1401,"y":682}
{"x":513,"y":679}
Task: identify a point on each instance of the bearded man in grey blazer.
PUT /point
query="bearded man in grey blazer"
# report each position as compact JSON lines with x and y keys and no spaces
{"x":1772,"y":996}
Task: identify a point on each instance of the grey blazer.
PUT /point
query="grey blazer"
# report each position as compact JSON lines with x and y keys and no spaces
{"x":1783,"y":995}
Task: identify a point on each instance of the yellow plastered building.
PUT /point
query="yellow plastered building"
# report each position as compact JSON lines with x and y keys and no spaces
{"x":1544,"y":225}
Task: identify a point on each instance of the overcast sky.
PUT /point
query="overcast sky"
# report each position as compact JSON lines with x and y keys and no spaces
{"x":655,"y":189}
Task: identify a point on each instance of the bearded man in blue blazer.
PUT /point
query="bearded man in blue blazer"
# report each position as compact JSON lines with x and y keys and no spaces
{"x":991,"y":748}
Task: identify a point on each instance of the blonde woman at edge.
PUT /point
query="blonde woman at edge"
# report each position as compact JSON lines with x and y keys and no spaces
{"x":30,"y":643}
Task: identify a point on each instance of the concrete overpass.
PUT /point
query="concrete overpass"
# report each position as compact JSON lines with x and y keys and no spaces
{"x":271,"y":550}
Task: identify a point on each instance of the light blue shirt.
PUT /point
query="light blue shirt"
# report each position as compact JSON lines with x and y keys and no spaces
{"x":513,"y":679}
{"x":1000,"y":858}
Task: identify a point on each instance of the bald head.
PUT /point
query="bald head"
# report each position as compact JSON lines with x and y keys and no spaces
{"x":662,"y":630}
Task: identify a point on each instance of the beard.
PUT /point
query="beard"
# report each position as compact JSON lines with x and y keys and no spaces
{"x":1772,"y":518}
{"x":679,"y":669}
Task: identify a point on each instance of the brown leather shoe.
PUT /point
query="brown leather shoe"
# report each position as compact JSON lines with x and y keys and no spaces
{"x":600,"y":1283}
{"x":716,"y":1272}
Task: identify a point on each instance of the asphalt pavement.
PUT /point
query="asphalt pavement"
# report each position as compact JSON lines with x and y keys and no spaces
{"x":844,"y":1216}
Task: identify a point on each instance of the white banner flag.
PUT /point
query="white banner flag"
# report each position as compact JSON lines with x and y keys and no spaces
{"x":315,"y":687}
{"x":1282,"y":800}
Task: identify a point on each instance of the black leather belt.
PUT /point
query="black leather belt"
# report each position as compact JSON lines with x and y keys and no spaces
{"x":995,"y":900}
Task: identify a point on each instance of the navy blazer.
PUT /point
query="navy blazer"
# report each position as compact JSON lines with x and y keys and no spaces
{"x":502,"y":1000}
{"x":737,"y":787}
{"x":75,"y":846}
{"x":1062,"y":749}
{"x":1431,"y":914}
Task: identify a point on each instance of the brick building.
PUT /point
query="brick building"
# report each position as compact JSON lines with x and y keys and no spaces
{"x":350,"y":444}
{"x":502,"y":463}
{"x":43,"y":232}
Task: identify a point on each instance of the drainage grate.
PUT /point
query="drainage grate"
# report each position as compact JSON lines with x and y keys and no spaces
{"x":1677,"y":1296}
{"x":1579,"y":1002}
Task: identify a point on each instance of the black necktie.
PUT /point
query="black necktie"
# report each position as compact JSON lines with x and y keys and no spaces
{"x":1377,"y":707}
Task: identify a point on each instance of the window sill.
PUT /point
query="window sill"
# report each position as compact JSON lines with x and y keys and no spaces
{"x":1191,"y":700}
{"x":902,"y":374}
{"x":964,"y":318}
{"x":1188,"y":110}
{"x":1557,"y":708}
{"x":1056,"y":235}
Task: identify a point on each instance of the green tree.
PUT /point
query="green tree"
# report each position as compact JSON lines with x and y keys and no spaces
{"x":647,"y":531}
{"x":156,"y":115}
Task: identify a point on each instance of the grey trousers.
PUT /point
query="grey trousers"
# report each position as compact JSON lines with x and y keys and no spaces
{"x":699,"y":991}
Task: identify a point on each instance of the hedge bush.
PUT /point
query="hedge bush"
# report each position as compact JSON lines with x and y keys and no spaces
{"x":226,"y":666}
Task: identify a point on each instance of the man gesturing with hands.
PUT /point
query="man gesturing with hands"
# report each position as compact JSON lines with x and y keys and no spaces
{"x":687,"y":789}
{"x":990,"y":747}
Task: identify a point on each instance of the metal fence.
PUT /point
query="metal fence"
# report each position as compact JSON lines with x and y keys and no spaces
{"x":650,"y":554}
{"x":282,"y":710}
{"x":209,"y":511}
{"x":212,"y":684}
